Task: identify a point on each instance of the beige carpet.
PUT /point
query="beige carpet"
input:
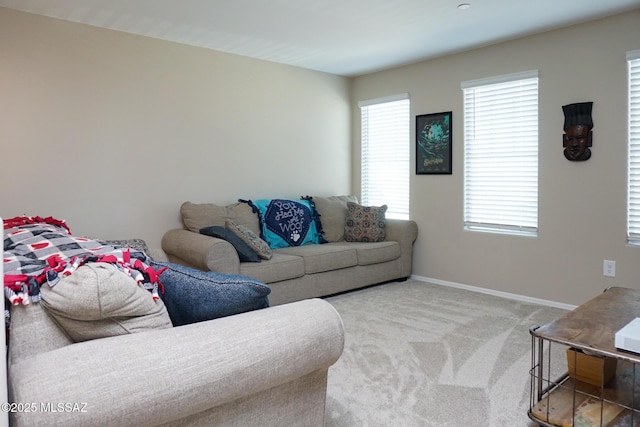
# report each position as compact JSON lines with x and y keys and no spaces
{"x":418,"y":354}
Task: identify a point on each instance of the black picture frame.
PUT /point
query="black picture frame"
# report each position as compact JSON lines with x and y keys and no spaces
{"x":433,"y":143}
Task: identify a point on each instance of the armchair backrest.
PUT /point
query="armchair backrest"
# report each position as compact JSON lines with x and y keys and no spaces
{"x":32,"y":332}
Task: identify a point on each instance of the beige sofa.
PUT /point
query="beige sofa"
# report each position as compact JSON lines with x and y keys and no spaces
{"x":266,"y":367}
{"x":94,"y":348}
{"x":300,"y":272}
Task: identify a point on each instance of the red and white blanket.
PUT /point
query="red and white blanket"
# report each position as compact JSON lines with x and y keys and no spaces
{"x":42,"y":250}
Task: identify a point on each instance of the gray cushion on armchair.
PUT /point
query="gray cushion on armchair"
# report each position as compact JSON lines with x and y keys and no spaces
{"x":99,"y":300}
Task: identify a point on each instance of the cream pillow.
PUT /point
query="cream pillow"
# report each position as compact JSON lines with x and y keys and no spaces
{"x":198,"y":216}
{"x":333,"y":215}
{"x":98,"y":300}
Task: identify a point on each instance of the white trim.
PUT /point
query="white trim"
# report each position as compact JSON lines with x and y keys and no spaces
{"x":633,"y":54}
{"x":384,"y":99}
{"x":499,"y":79}
{"x":501,"y":294}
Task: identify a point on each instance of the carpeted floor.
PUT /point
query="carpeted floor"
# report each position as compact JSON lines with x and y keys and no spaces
{"x":418,"y":354}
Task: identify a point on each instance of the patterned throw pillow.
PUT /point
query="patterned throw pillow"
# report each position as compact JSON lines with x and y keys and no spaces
{"x":245,"y":252}
{"x":286,"y":223}
{"x":250,"y":238}
{"x":365,"y":223}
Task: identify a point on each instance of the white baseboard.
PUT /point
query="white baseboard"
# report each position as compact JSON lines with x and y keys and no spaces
{"x":495,"y":293}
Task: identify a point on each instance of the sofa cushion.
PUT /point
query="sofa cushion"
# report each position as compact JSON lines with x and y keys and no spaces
{"x":374,"y":252}
{"x":333,"y":215}
{"x":98,"y":300}
{"x":286,"y":223}
{"x":250,"y":238}
{"x":365,"y":223}
{"x":192,"y":295}
{"x":320,"y":258}
{"x":197,"y":216}
{"x":279,"y":267}
{"x":245,"y":252}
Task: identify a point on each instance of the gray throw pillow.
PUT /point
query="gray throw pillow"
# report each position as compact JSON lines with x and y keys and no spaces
{"x":245,"y":252}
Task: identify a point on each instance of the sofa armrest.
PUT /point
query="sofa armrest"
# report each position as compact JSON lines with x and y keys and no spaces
{"x":199,"y":251}
{"x":161,"y":376}
{"x":405,"y":232}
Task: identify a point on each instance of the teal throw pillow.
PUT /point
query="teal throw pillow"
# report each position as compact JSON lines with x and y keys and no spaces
{"x":285,"y":223}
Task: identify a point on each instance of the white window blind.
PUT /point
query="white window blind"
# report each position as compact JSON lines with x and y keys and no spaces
{"x":386,"y":154}
{"x":501,"y":154}
{"x":633,"y":202}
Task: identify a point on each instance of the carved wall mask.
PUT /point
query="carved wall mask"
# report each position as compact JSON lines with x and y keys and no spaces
{"x":578,"y":135}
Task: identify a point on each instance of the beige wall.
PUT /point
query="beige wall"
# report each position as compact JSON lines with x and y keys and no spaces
{"x":582,"y":205}
{"x":112,"y":131}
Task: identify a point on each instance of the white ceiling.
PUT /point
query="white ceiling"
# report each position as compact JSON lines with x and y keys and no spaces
{"x":344,"y":37}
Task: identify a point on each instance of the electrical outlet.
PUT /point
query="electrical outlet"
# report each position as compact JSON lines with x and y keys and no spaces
{"x":609,"y":268}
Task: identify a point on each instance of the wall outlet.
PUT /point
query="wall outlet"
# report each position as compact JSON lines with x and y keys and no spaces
{"x":609,"y":268}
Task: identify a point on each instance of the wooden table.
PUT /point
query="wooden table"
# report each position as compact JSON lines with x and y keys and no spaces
{"x":590,"y":328}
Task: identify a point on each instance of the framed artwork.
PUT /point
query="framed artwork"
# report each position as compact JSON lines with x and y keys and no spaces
{"x":433,"y":143}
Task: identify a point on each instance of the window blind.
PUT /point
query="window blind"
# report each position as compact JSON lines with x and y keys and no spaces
{"x":501,"y":154}
{"x":633,"y":196}
{"x":386,"y":154}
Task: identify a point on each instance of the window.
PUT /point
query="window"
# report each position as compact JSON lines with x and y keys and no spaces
{"x":386,"y":154}
{"x":501,"y":154}
{"x":633,"y":195}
